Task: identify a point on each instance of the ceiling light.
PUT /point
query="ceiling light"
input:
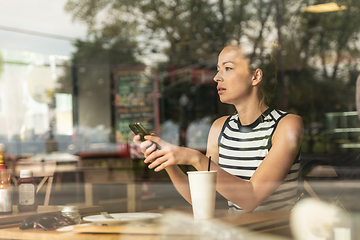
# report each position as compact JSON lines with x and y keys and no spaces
{"x":326,"y":7}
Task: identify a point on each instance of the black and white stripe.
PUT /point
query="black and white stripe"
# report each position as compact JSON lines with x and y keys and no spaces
{"x":243,"y":148}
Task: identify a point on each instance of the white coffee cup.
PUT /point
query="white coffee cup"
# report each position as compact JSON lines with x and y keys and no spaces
{"x":203,"y":193}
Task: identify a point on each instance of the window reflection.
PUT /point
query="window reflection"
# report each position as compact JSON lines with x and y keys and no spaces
{"x":154,"y":62}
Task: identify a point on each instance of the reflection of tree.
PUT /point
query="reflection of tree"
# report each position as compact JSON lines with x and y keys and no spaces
{"x":189,"y":31}
{"x":320,"y":66}
{"x":317,"y":52}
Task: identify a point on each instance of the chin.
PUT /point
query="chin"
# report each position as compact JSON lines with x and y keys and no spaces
{"x":226,"y":101}
{"x":223,"y":98}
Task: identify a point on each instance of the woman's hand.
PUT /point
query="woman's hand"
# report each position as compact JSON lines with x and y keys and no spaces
{"x":144,"y":145}
{"x":168,"y":155}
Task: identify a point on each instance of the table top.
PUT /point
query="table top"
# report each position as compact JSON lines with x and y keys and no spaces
{"x":175,"y":224}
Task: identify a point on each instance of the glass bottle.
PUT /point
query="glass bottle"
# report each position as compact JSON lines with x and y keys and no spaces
{"x":5,"y":189}
{"x":27,"y":200}
{"x":72,"y":212}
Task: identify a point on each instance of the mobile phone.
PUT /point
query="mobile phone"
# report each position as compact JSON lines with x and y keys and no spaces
{"x":139,"y":129}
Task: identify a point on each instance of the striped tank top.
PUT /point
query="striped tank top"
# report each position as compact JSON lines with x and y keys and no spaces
{"x":243,"y":148}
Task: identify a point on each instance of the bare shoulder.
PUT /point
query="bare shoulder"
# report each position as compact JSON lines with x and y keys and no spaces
{"x":219,"y":122}
{"x":292,"y":121}
{"x":290,"y":127}
{"x":212,"y":146}
{"x":217,"y":126}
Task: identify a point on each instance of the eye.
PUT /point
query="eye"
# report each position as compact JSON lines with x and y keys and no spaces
{"x":228,"y":68}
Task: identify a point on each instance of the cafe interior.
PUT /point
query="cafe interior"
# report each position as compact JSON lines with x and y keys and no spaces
{"x":75,"y":73}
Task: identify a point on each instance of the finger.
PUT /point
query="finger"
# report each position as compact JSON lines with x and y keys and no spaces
{"x":161,"y":167}
{"x":145,"y":145}
{"x":153,"y":138}
{"x":157,"y":161}
{"x":149,"y":151}
{"x":136,"y":139}
{"x":152,"y":143}
{"x":158,"y":141}
{"x":153,"y":153}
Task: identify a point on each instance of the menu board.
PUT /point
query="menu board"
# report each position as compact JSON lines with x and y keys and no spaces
{"x":135,"y":100}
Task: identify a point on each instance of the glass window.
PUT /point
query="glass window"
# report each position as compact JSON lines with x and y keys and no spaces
{"x":74,"y":74}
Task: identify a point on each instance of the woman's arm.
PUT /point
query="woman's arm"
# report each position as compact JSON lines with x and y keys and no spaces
{"x":177,"y":176}
{"x":175,"y":155}
{"x":268,"y":176}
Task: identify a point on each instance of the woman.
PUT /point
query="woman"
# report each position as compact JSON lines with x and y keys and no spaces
{"x":255,"y":151}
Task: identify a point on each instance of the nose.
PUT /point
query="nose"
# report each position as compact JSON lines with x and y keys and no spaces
{"x":217,"y":77}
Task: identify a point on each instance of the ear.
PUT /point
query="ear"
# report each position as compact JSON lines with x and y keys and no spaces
{"x":257,"y":77}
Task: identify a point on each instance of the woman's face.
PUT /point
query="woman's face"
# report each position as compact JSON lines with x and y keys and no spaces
{"x":233,"y":77}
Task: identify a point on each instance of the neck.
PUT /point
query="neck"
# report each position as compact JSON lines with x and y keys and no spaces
{"x":249,"y":112}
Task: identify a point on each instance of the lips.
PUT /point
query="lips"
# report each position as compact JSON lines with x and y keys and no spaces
{"x":221,"y":90}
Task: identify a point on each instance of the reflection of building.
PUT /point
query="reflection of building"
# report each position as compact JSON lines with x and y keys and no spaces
{"x":92,"y":96}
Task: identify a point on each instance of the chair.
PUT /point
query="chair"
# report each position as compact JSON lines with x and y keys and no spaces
{"x":319,"y":170}
{"x":44,"y":170}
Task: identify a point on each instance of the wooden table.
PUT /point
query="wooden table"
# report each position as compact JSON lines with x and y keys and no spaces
{"x":175,"y":224}
{"x":91,"y":176}
{"x":44,"y":170}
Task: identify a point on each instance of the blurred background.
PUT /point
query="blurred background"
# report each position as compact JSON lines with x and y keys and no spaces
{"x":75,"y":73}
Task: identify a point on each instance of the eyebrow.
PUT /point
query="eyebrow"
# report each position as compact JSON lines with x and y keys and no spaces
{"x":226,"y":63}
